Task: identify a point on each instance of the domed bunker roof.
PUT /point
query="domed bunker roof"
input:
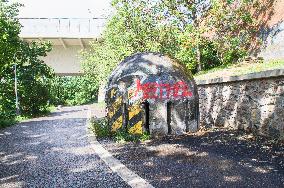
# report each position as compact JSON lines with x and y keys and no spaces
{"x":147,"y":65}
{"x":152,"y":92}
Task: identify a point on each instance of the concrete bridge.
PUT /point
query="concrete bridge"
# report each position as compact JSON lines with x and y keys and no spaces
{"x":68,"y":36}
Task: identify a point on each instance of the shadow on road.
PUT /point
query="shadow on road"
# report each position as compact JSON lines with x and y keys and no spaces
{"x":223,"y":158}
{"x":52,"y":151}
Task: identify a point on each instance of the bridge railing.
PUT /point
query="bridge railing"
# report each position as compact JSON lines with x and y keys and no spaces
{"x":62,"y":27}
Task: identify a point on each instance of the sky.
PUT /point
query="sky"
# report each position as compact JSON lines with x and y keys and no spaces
{"x":64,"y":8}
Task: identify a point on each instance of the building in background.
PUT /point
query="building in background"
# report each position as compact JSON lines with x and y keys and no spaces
{"x":68,"y":37}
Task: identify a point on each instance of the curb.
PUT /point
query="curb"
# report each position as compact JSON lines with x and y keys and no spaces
{"x":131,"y":178}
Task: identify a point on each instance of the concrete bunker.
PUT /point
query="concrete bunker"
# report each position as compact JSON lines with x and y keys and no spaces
{"x":153,"y":93}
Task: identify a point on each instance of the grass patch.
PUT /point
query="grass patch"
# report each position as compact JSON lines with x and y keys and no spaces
{"x":238,"y":69}
{"x":51,"y":109}
{"x":9,"y":122}
{"x":102,"y":130}
{"x":47,"y":111}
{"x":122,"y":137}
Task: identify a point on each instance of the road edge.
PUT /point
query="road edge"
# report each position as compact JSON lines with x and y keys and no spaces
{"x":130,"y":177}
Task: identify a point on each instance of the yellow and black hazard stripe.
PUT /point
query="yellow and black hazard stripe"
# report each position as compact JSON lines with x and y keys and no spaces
{"x":135,"y":122}
{"x":111,"y":95}
{"x":115,"y":111}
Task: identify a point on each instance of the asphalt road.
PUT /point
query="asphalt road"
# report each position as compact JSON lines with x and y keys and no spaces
{"x":53,"y":151}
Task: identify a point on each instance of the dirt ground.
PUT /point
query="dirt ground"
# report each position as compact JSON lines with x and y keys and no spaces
{"x":212,"y":158}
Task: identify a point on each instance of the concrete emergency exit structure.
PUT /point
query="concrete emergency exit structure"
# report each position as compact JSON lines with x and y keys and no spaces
{"x":153,"y":93}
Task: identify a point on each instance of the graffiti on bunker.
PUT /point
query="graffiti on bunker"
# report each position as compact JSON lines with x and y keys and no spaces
{"x":154,"y":90}
{"x":149,"y":92}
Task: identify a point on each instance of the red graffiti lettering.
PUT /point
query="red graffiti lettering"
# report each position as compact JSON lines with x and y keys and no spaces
{"x":181,"y":90}
{"x":153,"y":90}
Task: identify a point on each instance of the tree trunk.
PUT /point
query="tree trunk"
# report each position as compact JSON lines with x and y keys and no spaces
{"x":198,"y":55}
{"x":198,"y":59}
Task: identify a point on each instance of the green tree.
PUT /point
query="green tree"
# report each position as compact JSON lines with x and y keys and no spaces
{"x":201,"y":34}
{"x":32,"y":73}
{"x":213,"y":32}
{"x":189,"y":14}
{"x":234,"y":27}
{"x":137,"y":26}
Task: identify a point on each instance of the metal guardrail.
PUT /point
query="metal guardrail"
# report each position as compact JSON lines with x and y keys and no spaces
{"x":62,"y":27}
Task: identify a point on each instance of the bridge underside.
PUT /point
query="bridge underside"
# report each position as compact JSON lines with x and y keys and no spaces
{"x":64,"y":57}
{"x":68,"y":36}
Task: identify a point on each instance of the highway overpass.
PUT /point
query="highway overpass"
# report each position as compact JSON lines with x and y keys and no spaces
{"x":68,"y":36}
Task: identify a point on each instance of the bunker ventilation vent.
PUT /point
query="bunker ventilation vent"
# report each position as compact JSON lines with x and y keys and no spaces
{"x":149,"y":92}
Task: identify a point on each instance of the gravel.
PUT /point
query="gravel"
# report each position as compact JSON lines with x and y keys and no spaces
{"x":220,"y":158}
{"x":53,"y":151}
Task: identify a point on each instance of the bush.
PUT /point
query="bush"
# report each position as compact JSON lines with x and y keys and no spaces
{"x":73,"y":90}
{"x":7,"y":123}
{"x":102,"y":130}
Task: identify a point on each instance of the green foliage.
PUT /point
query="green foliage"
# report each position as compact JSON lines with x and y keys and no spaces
{"x":188,"y":47}
{"x":6,"y":123}
{"x":135,"y":28}
{"x":72,"y":90}
{"x":33,"y":78}
{"x":102,"y":130}
{"x":200,"y":34}
{"x":33,"y":75}
{"x":9,"y":39}
{"x":98,"y":64}
{"x":234,"y":28}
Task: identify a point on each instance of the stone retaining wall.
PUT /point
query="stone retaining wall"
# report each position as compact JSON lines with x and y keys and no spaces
{"x":253,"y":102}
